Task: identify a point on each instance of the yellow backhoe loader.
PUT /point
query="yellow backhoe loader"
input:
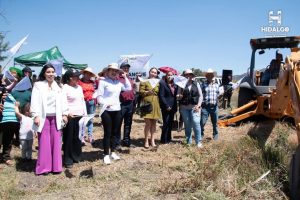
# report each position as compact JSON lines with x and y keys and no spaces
{"x":273,"y":92}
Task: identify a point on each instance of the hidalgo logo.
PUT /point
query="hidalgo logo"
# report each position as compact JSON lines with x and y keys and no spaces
{"x":275,"y":27}
{"x":275,"y":18}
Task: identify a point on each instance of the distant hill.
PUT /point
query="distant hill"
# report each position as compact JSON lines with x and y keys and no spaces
{"x":238,"y":77}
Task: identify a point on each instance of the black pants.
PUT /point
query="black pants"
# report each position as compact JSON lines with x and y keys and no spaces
{"x":229,"y":99}
{"x":137,"y":101}
{"x":166,"y":132}
{"x":126,"y":115}
{"x":8,"y":130}
{"x":71,"y":142}
{"x":111,"y":121}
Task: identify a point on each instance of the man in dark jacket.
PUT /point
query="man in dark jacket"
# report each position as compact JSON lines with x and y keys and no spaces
{"x":127,"y":101}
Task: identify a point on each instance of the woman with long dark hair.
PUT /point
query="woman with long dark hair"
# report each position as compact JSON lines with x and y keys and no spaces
{"x":168,"y":105}
{"x":149,"y":90}
{"x":77,"y":109}
{"x":49,"y":110}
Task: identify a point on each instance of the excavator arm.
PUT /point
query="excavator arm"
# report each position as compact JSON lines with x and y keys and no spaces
{"x":293,"y":68}
{"x":294,"y":81}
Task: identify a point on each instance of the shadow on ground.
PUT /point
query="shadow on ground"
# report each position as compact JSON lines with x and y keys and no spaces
{"x":25,"y":165}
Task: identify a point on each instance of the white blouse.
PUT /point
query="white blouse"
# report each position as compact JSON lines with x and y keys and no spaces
{"x":109,"y":93}
{"x":51,"y":101}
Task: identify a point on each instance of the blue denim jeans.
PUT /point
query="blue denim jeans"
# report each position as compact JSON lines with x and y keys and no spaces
{"x":191,"y":120}
{"x":90,"y":108}
{"x":213,"y":112}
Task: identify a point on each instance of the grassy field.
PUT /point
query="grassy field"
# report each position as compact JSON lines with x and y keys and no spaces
{"x":224,"y":169}
{"x":230,"y":168}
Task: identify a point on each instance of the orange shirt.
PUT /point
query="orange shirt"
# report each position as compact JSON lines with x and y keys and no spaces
{"x":88,"y":89}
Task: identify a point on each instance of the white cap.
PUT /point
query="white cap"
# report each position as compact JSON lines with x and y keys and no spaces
{"x":188,"y":71}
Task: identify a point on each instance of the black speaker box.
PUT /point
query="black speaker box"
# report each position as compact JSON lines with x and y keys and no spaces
{"x":225,"y":76}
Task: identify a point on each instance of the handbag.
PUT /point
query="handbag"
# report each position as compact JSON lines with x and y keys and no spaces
{"x":145,"y":108}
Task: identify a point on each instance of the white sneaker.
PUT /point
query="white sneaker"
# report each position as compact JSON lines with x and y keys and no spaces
{"x":114,"y":156}
{"x":106,"y":160}
{"x":200,"y":145}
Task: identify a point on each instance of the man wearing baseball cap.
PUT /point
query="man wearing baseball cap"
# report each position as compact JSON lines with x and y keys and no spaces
{"x":27,"y":71}
{"x":127,"y":103}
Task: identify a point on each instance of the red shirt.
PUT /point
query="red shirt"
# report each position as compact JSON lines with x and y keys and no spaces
{"x":127,"y":95}
{"x":88,"y":89}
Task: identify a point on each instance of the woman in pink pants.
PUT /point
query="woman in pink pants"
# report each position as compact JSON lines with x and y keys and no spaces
{"x":49,"y":109}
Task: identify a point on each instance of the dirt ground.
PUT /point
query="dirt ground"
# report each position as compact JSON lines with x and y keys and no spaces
{"x":138,"y":175}
{"x":154,"y":173}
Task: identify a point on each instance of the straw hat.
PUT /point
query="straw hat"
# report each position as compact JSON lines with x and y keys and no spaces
{"x":88,"y":70}
{"x":113,"y":66}
{"x":210,"y":71}
{"x":102,"y":73}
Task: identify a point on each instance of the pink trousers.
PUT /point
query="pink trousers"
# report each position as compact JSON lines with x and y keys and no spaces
{"x":49,"y":155}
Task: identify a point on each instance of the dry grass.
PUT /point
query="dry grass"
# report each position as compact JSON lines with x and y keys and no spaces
{"x":221,"y":170}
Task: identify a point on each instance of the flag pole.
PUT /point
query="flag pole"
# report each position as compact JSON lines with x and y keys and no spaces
{"x":15,"y":49}
{"x":7,"y":63}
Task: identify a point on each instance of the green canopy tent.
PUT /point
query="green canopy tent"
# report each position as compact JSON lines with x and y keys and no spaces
{"x":42,"y":57}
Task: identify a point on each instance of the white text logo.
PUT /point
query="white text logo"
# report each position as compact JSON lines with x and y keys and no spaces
{"x":275,"y":27}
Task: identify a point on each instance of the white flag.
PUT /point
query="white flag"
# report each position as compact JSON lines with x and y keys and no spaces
{"x":58,"y":65}
{"x":180,"y":81}
{"x":9,"y":76}
{"x":237,"y":84}
{"x":82,"y":124}
{"x":16,"y":48}
{"x":24,"y":84}
{"x":221,"y":90}
{"x":102,"y":108}
{"x":139,"y":64}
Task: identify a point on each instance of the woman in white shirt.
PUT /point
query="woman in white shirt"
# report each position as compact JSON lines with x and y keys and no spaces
{"x":76,"y":107}
{"x":49,"y":109}
{"x":108,"y":95}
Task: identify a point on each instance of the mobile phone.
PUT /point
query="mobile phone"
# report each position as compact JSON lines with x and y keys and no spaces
{"x":3,"y":91}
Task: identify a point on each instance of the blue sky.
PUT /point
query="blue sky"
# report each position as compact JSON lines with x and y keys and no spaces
{"x":182,"y":34}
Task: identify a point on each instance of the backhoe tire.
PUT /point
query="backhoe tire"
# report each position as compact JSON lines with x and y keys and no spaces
{"x":295,"y":175}
{"x":245,"y":96}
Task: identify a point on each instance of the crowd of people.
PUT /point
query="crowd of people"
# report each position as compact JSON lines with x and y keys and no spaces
{"x":51,"y":109}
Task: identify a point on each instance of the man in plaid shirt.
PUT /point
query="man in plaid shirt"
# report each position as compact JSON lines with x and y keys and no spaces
{"x":210,"y":90}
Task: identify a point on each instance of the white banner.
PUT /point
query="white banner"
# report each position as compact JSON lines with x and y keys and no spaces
{"x":139,"y":64}
{"x":16,"y":48}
